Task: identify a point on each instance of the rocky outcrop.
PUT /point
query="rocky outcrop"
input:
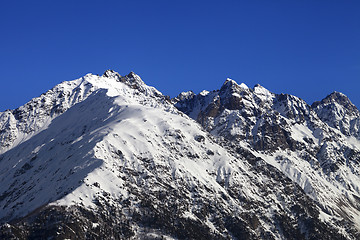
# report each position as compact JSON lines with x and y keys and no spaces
{"x":338,"y":112}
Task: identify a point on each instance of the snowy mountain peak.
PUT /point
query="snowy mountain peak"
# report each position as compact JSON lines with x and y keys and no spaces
{"x":204,"y":92}
{"x":230,"y":80}
{"x":263,"y":93}
{"x":133,"y":80}
{"x":22,"y":123}
{"x":336,"y":97}
{"x":232,"y":83}
{"x":259,"y":88}
{"x":244,"y":86}
{"x":133,"y":74}
{"x":186,"y":95}
{"x":231,"y":87}
{"x":338,"y":112}
{"x":111,"y":74}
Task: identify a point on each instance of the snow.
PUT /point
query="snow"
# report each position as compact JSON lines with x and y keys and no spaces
{"x":231,"y":80}
{"x":322,"y":140}
{"x":75,"y":160}
{"x":299,"y":132}
{"x":243,"y":86}
{"x":263,"y":93}
{"x":204,"y":93}
{"x":73,"y":156}
{"x":354,"y":142}
{"x":186,"y":95}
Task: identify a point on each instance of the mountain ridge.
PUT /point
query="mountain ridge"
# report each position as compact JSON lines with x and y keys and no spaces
{"x":110,"y":156}
{"x":278,"y":128}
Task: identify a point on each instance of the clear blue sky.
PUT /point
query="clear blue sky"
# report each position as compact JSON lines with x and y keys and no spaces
{"x":305,"y":48}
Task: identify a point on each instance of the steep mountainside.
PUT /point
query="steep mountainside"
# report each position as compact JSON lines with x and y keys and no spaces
{"x":112,"y":158}
{"x":316,"y":146}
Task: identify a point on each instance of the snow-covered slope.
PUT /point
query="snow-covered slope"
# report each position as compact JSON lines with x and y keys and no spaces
{"x":317,"y":147}
{"x":110,"y":157}
{"x":22,"y":123}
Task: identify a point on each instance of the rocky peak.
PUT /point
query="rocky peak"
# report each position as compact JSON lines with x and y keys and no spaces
{"x":291,"y":107}
{"x":230,"y":82}
{"x":231,"y":94}
{"x":185,"y":101}
{"x":263,"y":93}
{"x":132,"y":75}
{"x":231,"y":86}
{"x":111,"y":74}
{"x":133,"y":80}
{"x":185,"y":96}
{"x":338,"y":112}
{"x":336,"y":97}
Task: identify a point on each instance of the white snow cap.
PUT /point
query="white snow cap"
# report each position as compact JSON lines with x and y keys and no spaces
{"x":204,"y":93}
{"x":263,"y":93}
{"x":242,"y":85}
{"x":230,"y":80}
{"x":186,"y":95}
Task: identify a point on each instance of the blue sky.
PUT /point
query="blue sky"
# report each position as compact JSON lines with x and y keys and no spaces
{"x":305,"y":48}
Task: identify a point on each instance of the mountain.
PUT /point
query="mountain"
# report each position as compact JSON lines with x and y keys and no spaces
{"x":110,"y":157}
{"x":316,"y":146}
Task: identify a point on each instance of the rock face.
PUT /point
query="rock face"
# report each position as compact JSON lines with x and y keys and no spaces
{"x":316,"y":146}
{"x":338,"y":112}
{"x":110,"y":157}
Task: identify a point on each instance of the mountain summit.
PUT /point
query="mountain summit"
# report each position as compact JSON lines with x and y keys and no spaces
{"x":110,"y":157}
